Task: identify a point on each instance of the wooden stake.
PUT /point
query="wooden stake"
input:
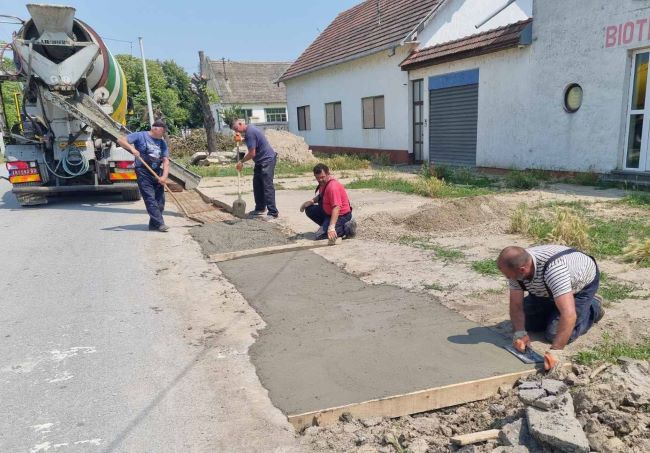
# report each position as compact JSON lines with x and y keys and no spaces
{"x":297,"y":246}
{"x":475,"y":438}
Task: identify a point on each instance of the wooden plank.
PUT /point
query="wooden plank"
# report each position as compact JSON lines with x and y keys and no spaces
{"x":296,"y":246}
{"x":412,"y":403}
{"x":475,"y":438}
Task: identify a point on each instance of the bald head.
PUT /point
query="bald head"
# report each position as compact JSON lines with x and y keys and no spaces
{"x":515,"y":262}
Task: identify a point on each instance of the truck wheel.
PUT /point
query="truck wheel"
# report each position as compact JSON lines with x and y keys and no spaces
{"x":131,"y":195}
{"x":30,"y":199}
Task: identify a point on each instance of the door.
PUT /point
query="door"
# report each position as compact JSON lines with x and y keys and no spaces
{"x":453,"y":118}
{"x":637,"y":130}
{"x":418,"y":119}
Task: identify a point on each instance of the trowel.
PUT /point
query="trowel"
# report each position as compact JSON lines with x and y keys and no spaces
{"x":529,"y":356}
{"x":239,"y":205}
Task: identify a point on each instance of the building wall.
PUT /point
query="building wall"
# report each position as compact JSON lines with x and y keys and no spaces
{"x":458,"y":18}
{"x":258,"y":116}
{"x":374,"y":75}
{"x":522,"y":122}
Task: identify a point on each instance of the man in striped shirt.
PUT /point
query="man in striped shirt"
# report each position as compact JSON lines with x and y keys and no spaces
{"x":562,"y":302}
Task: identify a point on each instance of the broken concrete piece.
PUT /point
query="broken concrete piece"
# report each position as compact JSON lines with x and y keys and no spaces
{"x":516,"y":449}
{"x":547,"y":403}
{"x":529,"y":385}
{"x":554,"y":387}
{"x":196,"y":157}
{"x":373,"y":421}
{"x":515,"y":433}
{"x":559,"y":429}
{"x":528,"y":396}
{"x":418,"y":445}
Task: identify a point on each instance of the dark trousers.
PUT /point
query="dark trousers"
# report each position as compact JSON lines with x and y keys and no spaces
{"x":315,"y":212}
{"x":263,"y":189}
{"x":542,"y":314}
{"x":153,"y":195}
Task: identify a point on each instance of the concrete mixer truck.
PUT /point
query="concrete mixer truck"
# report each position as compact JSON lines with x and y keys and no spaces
{"x":74,"y":102}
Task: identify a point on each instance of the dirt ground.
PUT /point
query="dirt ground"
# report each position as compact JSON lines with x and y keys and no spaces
{"x":428,"y":245}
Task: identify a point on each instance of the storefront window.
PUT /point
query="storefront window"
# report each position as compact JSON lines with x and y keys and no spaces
{"x":640,"y":81}
{"x":634,"y":141}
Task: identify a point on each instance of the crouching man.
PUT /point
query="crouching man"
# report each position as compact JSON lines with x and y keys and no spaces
{"x":330,"y":209}
{"x":562,"y":302}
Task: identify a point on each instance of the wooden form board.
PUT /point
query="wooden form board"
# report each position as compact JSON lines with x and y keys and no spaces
{"x":297,"y":246}
{"x":412,"y":403}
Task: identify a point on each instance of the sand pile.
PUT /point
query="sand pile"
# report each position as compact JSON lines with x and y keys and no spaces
{"x":290,"y":147}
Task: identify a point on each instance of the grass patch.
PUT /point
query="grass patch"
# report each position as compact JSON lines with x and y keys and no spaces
{"x":638,"y":252}
{"x":434,"y":287}
{"x":569,"y":228}
{"x":614,"y":291}
{"x":486,"y":267}
{"x":637,"y":199}
{"x":335,"y":163}
{"x":610,"y":237}
{"x":423,"y":186}
{"x":462,"y":176}
{"x":440,"y":251}
{"x":610,"y":351}
{"x":524,"y":179}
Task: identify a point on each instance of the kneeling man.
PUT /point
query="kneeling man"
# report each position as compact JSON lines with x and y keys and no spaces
{"x":562,"y":302}
{"x":330,"y":208}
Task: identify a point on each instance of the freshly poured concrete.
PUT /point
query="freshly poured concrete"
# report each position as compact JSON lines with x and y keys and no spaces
{"x":333,"y":340}
{"x":238,"y":234}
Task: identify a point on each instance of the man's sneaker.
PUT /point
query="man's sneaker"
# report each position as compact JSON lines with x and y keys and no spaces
{"x":256,"y":213}
{"x":163,"y":228}
{"x":350,"y":228}
{"x":601,"y":310}
{"x":270,"y":218}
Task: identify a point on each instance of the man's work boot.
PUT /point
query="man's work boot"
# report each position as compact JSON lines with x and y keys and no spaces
{"x":256,"y":213}
{"x":350,"y":228}
{"x":163,"y":228}
{"x":601,"y":310}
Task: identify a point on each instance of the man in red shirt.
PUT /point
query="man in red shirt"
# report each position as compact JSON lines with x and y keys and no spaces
{"x":330,"y":208}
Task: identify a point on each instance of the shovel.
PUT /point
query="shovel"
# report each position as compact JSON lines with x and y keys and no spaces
{"x":239,"y":205}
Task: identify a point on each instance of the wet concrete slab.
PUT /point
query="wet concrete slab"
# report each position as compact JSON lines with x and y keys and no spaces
{"x":237,"y":234}
{"x":333,"y":340}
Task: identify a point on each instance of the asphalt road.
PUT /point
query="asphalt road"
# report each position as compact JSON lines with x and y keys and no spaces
{"x":95,"y":353}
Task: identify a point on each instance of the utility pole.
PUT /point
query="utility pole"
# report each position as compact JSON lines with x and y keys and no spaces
{"x":146,"y":83}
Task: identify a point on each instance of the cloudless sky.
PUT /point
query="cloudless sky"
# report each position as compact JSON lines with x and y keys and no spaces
{"x":257,"y":30}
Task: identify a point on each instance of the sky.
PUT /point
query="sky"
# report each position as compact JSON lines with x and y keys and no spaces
{"x":254,"y":30}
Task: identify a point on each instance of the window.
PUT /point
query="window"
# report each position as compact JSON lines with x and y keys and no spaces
{"x":276,"y":115}
{"x":333,"y":118}
{"x":373,"y":112}
{"x":245,"y":114}
{"x":304,"y":118}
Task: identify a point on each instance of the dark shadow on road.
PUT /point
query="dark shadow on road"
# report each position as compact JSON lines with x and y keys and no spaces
{"x":115,"y":444}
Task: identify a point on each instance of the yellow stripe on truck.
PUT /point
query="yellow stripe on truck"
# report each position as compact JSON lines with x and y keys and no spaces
{"x":123,"y":176}
{"x":24,"y":178}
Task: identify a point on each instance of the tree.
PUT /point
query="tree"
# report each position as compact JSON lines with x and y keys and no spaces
{"x":178,"y":79}
{"x":206,"y":97}
{"x":8,"y":90}
{"x":169,"y":92}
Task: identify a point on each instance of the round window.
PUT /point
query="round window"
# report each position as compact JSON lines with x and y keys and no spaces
{"x":573,"y":98}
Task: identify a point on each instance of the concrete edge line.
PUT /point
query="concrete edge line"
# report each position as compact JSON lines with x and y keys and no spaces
{"x":412,"y":403}
{"x":297,"y":246}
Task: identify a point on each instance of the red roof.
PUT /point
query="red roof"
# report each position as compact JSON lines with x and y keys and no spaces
{"x":500,"y":38}
{"x":358,"y":31}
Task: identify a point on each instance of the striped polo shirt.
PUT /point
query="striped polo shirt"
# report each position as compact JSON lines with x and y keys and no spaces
{"x":568,"y":273}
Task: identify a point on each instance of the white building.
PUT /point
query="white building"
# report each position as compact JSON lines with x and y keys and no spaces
{"x":250,"y":86}
{"x":548,"y":84}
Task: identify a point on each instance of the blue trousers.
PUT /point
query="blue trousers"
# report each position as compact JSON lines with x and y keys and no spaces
{"x":542,"y":314}
{"x":315,"y":212}
{"x":153,"y":195}
{"x":263,"y":189}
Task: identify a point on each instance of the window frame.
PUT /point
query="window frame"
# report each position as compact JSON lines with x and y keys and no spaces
{"x":282,"y":112}
{"x":337,"y":119}
{"x":375,"y":123}
{"x":306,"y":117}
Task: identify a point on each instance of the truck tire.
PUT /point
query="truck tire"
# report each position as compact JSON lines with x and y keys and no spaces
{"x":30,"y":199}
{"x":131,"y":195}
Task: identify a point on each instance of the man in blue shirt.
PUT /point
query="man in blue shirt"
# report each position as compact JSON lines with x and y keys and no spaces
{"x":151,"y":147}
{"x":265,"y":159}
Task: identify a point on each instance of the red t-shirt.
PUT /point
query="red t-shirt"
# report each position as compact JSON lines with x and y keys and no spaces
{"x":335,"y":195}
